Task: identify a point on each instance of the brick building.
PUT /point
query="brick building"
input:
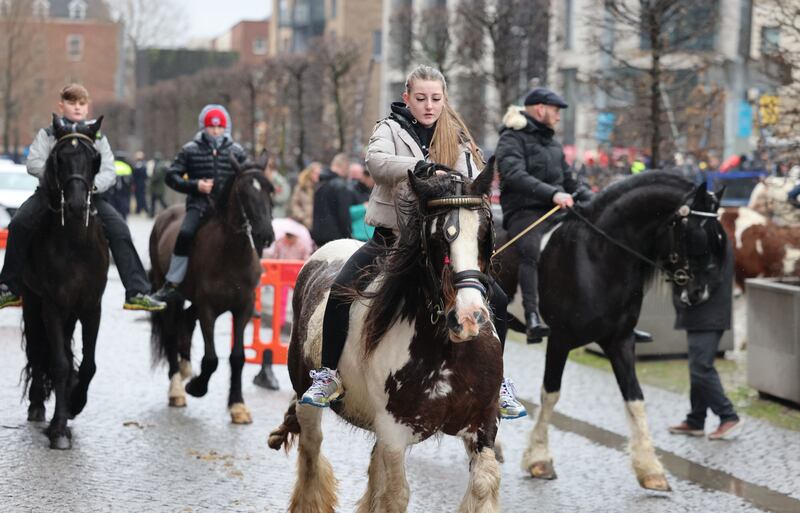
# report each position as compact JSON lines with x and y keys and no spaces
{"x":250,"y":39}
{"x":59,"y":41}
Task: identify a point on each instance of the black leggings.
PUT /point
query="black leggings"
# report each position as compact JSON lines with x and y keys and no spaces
{"x":336,"y":322}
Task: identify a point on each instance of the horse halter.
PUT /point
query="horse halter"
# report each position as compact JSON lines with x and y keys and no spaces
{"x":247,"y":226}
{"x":682,"y":275}
{"x":74,"y":138}
{"x":449,"y":206}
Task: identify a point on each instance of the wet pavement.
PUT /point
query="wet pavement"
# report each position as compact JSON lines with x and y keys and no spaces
{"x":133,"y":453}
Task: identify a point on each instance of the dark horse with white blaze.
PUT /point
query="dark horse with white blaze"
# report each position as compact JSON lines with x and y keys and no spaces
{"x":224,"y":270}
{"x":421,"y":358}
{"x":594,"y":268}
{"x":64,"y":280}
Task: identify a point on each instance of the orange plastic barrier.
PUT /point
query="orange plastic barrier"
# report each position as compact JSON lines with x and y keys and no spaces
{"x":3,"y":238}
{"x":280,"y":275}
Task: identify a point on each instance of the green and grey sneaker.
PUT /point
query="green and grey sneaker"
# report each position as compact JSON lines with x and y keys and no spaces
{"x":144,"y":302}
{"x":510,"y":407}
{"x":8,"y":298}
{"x":326,"y":387}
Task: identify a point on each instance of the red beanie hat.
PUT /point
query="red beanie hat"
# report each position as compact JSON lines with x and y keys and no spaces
{"x":215,"y":117}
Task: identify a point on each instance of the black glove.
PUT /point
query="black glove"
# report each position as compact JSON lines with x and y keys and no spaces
{"x":424,"y":169}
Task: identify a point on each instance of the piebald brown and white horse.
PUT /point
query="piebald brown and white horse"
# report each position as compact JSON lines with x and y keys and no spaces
{"x":421,"y":358}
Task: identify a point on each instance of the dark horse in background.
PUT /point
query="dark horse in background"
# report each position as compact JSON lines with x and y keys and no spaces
{"x":63,"y":281}
{"x":224,"y":270}
{"x":591,"y":289}
{"x":422,"y":357}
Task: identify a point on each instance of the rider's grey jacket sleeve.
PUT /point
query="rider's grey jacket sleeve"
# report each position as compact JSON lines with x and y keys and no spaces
{"x":107,"y":176}
{"x":42,"y":146}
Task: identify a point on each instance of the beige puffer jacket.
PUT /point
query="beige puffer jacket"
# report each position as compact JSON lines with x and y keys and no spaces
{"x":391,"y":152}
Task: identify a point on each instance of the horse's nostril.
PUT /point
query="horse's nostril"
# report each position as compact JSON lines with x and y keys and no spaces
{"x":452,"y":321}
{"x":479,"y":317}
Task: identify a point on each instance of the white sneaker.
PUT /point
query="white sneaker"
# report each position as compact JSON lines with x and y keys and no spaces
{"x":325,"y":387}
{"x":510,"y":407}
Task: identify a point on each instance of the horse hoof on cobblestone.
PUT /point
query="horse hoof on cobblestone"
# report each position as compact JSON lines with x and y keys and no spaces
{"x":543,"y":470}
{"x":60,"y":439}
{"x":240,"y":414}
{"x":656,"y":482}
{"x":177,"y":402}
{"x":36,"y":414}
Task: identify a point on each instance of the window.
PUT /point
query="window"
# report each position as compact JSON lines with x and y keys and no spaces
{"x":77,"y":9}
{"x":568,"y":24}
{"x":41,"y":8}
{"x":770,"y":40}
{"x":75,"y":47}
{"x":5,"y":7}
{"x":377,"y":45}
{"x":259,"y":46}
{"x":284,"y":15}
{"x":334,"y":10}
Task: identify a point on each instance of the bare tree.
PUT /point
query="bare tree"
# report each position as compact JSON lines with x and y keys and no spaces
{"x":297,"y":70}
{"x":635,"y":36}
{"x":20,"y":47}
{"x":150,"y":22}
{"x":339,"y":60}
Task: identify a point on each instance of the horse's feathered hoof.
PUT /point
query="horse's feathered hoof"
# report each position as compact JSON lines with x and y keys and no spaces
{"x":657,"y":482}
{"x":62,"y":440}
{"x":240,"y":414}
{"x":177,"y":402}
{"x":543,"y":470}
{"x":36,"y":413}
{"x":196,"y":387}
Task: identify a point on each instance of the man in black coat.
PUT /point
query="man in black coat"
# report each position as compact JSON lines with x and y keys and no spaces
{"x":534,"y":177}
{"x":332,"y":201}
{"x":200,"y":168}
{"x":704,"y":324}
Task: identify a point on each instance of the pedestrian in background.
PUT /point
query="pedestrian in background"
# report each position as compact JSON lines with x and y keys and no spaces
{"x":332,"y":201}
{"x":140,"y":182}
{"x":120,"y":194}
{"x":301,"y":205}
{"x":283,"y":191}
{"x":704,"y":324}
{"x":158,"y":184}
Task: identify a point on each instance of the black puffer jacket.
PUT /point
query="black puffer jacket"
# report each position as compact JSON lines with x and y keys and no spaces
{"x":532,"y":166}
{"x":713,"y":314}
{"x":332,"y":201}
{"x":199,"y":160}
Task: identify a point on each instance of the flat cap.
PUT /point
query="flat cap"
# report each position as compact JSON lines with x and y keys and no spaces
{"x":545,"y":96}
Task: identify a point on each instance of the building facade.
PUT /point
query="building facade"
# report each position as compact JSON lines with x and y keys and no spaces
{"x":250,"y":39}
{"x":719,"y":65}
{"x":59,"y":42}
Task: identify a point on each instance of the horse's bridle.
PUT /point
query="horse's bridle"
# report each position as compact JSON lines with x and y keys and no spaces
{"x":449,"y":206}
{"x":75,"y":138}
{"x":247,"y":226}
{"x":681,"y":273}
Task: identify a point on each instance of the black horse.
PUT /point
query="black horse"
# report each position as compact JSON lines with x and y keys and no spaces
{"x":64,"y":280}
{"x":594,"y":268}
{"x":224,"y":270}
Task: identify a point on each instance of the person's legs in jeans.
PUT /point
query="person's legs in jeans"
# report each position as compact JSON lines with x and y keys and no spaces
{"x":706,"y":388}
{"x":129,"y":266}
{"x":20,"y":234}
{"x":335,"y":324}
{"x":179,"y":261}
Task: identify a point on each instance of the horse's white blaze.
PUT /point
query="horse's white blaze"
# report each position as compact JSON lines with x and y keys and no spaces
{"x":464,"y":257}
{"x":538,"y":450}
{"x":643,"y":454}
{"x":745,"y":220}
{"x":256,"y":185}
{"x":790,"y":260}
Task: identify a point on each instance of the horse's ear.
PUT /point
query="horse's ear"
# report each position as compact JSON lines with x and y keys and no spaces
{"x":263,"y":159}
{"x":413,"y":181}
{"x":720,"y":193}
{"x":234,"y":163}
{"x":700,"y":195}
{"x":483,"y":182}
{"x":95,"y":127}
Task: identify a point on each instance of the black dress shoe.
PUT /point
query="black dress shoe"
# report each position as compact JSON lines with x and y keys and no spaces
{"x":641,"y":336}
{"x":536,"y":329}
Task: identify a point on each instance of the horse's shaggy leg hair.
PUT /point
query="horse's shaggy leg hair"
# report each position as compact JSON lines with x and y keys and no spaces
{"x":285,"y":434}
{"x":648,"y":469}
{"x":315,"y":487}
{"x":177,"y":395}
{"x":483,"y":491}
{"x":538,"y":452}
{"x":394,"y":498}
{"x":376,"y":482}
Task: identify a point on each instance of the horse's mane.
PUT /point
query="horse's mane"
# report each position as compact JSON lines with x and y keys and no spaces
{"x":400,"y":272}
{"x":611,"y":194}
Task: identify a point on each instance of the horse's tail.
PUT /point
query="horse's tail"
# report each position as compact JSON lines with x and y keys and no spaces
{"x":286,"y":434}
{"x":164,"y":331}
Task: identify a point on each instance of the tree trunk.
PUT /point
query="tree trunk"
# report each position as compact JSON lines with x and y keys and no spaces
{"x":337,"y":101}
{"x":655,"y":87}
{"x":301,"y":139}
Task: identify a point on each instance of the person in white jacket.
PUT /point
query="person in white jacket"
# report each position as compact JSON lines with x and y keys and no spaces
{"x":74,"y":108}
{"x":421,"y":129}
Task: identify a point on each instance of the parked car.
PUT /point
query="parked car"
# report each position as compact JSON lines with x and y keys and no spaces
{"x":16,"y":185}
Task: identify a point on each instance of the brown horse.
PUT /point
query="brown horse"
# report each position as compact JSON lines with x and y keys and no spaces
{"x":422,"y":356}
{"x":64,"y":280}
{"x":224,"y":270}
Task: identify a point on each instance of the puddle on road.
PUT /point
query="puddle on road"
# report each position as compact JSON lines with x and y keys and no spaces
{"x":710,"y":479}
